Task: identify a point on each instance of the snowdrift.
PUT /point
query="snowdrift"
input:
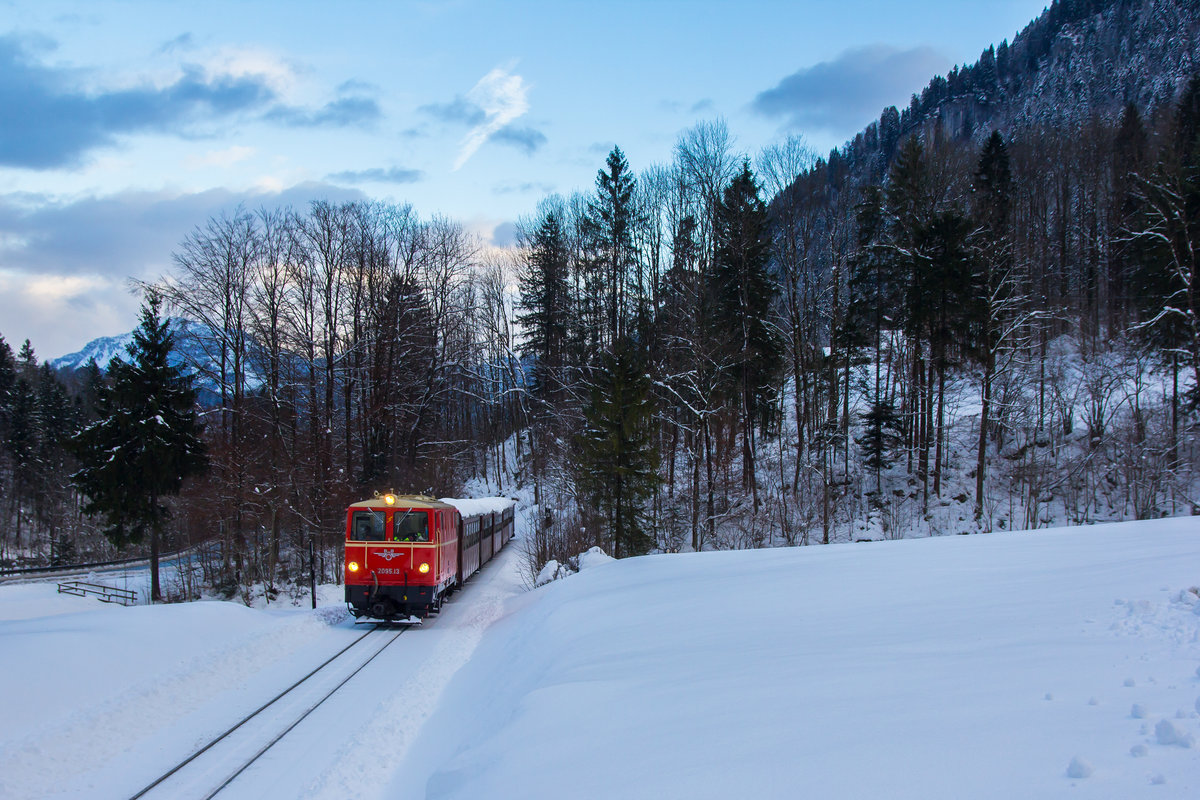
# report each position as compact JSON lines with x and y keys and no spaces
{"x":1002,"y":666}
{"x":1033,"y":665}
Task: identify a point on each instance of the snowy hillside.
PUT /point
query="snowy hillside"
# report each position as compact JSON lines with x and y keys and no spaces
{"x":1049,"y":664}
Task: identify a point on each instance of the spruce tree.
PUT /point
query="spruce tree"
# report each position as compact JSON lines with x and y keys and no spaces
{"x":22,"y":444}
{"x":145,"y":443}
{"x":545,"y":306}
{"x":610,"y":223}
{"x":58,"y":421}
{"x":616,"y":457}
{"x":27,"y":357}
{"x":8,"y":381}
{"x":743,"y":293}
{"x":1129,"y":155}
{"x":874,"y":299}
{"x":992,"y":285}
{"x":1167,"y":242}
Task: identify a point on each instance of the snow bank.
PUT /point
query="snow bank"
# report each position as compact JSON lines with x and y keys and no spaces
{"x":594,"y":557}
{"x":96,"y":696}
{"x":553,"y":570}
{"x":1020,"y":665}
{"x":984,"y":667}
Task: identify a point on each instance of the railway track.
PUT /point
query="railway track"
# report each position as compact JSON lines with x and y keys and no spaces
{"x":212,"y":768}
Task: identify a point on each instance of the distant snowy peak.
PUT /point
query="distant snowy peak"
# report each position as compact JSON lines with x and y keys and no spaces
{"x":102,"y":351}
{"x":106,"y":348}
{"x":197,"y":349}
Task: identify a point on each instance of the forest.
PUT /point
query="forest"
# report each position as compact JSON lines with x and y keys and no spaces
{"x":977,"y":315}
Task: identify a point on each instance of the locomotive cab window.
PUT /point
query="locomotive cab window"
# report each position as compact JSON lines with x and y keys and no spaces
{"x":410,"y":526}
{"x":367,"y":526}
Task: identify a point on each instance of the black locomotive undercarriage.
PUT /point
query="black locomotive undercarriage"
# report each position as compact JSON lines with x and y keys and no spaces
{"x":391,"y":602}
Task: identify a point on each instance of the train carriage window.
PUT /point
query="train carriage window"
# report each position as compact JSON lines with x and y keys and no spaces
{"x":367,"y":526}
{"x":410,"y":526}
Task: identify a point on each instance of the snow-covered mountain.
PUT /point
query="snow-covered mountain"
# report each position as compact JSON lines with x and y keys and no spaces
{"x":195,"y":346}
{"x":102,"y":351}
{"x":189,"y":349}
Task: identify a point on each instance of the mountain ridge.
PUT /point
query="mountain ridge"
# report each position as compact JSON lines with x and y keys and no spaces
{"x":1079,"y":59}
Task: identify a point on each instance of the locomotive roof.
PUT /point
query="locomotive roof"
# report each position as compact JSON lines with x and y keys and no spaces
{"x":403,"y":501}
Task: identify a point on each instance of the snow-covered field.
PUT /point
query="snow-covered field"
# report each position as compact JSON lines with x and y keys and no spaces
{"x":1062,"y":663}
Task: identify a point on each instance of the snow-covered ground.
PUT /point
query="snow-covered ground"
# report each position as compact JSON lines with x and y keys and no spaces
{"x":1061,"y":663}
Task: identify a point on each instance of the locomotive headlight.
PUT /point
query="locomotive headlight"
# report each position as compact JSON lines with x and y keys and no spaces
{"x":423,"y":568}
{"x":390,"y":499}
{"x":352,"y":566}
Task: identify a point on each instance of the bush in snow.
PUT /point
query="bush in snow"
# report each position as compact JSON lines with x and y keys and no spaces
{"x":553,"y":570}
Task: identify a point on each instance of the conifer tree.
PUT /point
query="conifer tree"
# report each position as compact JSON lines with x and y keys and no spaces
{"x":22,"y":444}
{"x":743,"y":293}
{"x":545,"y":306}
{"x":874,"y":299}
{"x":993,"y":285}
{"x":146,"y":442}
{"x":1167,"y":241}
{"x":611,"y":219}
{"x":1130,"y":150}
{"x":8,"y":380}
{"x":27,"y":357}
{"x":616,"y":458}
{"x":57,"y":423}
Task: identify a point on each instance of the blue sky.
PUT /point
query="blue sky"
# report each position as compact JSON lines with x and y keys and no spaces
{"x":125,"y":124}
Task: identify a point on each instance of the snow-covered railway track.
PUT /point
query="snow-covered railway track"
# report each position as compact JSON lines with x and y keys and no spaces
{"x":212,"y":768}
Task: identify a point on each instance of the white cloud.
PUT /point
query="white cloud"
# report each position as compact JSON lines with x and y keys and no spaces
{"x":268,"y":183}
{"x":502,"y":96}
{"x":81,"y":307}
{"x":51,"y":291}
{"x":220,"y":158}
{"x":280,"y":73}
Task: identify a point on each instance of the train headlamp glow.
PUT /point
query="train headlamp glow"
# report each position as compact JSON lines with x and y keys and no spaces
{"x":352,"y":566}
{"x":390,"y":499}
{"x":423,"y":568}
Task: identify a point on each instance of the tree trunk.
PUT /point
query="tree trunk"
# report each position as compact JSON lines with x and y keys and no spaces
{"x":941,"y":418}
{"x":155,"y":590}
{"x":981,"y":456}
{"x":708,"y":465}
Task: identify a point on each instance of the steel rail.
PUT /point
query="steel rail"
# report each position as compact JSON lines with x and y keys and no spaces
{"x":254,"y":714}
{"x":302,"y":717}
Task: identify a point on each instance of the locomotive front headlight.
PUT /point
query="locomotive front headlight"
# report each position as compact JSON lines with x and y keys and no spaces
{"x":352,"y":566}
{"x":390,"y":499}
{"x":423,"y":568}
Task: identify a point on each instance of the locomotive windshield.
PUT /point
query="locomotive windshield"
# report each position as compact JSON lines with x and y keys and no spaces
{"x":367,"y":526}
{"x":410,"y":526}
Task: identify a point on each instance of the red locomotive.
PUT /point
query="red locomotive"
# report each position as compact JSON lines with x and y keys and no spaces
{"x":405,"y":553}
